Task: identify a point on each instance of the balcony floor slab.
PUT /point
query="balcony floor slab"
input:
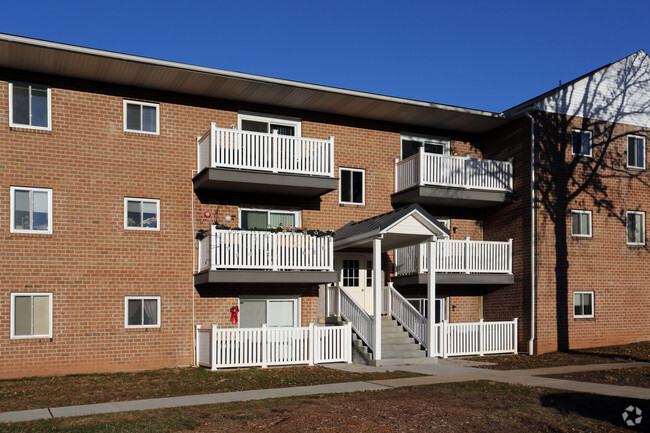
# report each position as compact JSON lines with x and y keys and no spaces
{"x":264,"y":277}
{"x":455,"y":278}
{"x":449,"y":196}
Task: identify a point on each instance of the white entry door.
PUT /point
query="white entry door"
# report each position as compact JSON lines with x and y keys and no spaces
{"x":355,"y":276}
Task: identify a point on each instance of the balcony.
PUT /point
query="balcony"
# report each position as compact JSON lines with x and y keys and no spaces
{"x":457,"y":262}
{"x":237,"y":162}
{"x":432,"y":179}
{"x":243,"y":256}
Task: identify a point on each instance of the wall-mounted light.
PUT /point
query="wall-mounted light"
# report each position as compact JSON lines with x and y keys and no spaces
{"x":453,"y":308}
{"x":455,"y":229}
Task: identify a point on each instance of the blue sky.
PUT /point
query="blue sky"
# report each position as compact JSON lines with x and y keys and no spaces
{"x":488,"y":55}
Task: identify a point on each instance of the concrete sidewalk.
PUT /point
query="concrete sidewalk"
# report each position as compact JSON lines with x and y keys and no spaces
{"x":443,"y":371}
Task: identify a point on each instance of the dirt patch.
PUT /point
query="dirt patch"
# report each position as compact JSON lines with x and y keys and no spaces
{"x":639,"y":377}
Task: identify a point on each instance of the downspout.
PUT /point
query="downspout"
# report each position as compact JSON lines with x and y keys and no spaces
{"x":532,"y":233}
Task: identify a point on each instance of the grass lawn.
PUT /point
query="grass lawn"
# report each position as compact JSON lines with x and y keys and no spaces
{"x":457,"y":407}
{"x":54,"y":391}
{"x":599,"y":355}
{"x":627,"y":377}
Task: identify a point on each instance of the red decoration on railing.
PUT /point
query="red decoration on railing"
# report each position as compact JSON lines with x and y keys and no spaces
{"x":233,"y":315}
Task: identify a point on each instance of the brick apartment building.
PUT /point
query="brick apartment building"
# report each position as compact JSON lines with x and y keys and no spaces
{"x":113,"y":165}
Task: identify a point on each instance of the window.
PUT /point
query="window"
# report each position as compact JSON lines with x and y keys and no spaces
{"x":31,"y":315}
{"x":141,"y":213}
{"x":31,"y":210}
{"x":635,"y":222}
{"x":581,"y":223}
{"x":267,"y":124}
{"x":635,"y":151}
{"x":261,"y":218}
{"x":253,"y":313}
{"x":368,"y":273}
{"x":581,"y":142}
{"x":141,"y":117}
{"x":29,"y":106}
{"x":350,"y":273}
{"x":411,"y":145}
{"x":352,"y":189}
{"x":583,"y":304}
{"x":142,"y":312}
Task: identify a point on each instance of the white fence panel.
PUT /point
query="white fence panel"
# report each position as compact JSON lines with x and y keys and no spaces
{"x":332,"y":344}
{"x":480,"y":338}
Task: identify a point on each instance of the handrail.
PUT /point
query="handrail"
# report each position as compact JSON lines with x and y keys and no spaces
{"x":408,"y":316}
{"x":357,"y":316}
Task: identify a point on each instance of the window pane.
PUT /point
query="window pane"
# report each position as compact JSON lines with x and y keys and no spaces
{"x":133,"y":214}
{"x":584,"y":225}
{"x":21,"y":210}
{"x":434,"y":148}
{"x":254,"y":220}
{"x":346,"y":186}
{"x":577,"y":304}
{"x":252,"y":313}
{"x":41,"y":315}
{"x":251,"y":125}
{"x":283,"y":129}
{"x":576,"y":142}
{"x":39,"y":107}
{"x":149,"y":214}
{"x":640,"y":152}
{"x":20,"y":105}
{"x":282,"y":219}
{"x":135,"y":312}
{"x":409,"y":147}
{"x":631,"y":151}
{"x":369,"y":273}
{"x":149,"y":118}
{"x":133,"y":117}
{"x":587,"y":304}
{"x":357,"y":187}
{"x":575,"y":223}
{"x":351,"y":273}
{"x":280,"y":313}
{"x":23,"y":315}
{"x":586,"y":143}
{"x":634,"y":228}
{"x":40,"y":218}
{"x":150,"y":312}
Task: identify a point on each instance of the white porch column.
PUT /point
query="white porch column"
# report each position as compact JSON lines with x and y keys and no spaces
{"x":431,"y":299}
{"x":376,"y":297}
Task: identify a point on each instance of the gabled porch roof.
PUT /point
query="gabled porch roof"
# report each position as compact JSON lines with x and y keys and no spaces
{"x":409,"y":225}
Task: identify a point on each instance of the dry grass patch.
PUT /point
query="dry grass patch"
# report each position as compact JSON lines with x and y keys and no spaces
{"x":639,"y":377}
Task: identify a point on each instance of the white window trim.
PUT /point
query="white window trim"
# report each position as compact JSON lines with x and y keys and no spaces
{"x":363,"y":185}
{"x":425,"y":139}
{"x":583,"y":212}
{"x":593,"y":305}
{"x":628,"y":152}
{"x":297,"y":213}
{"x":140,"y":298}
{"x":297,"y":301}
{"x":13,"y":315}
{"x":49,"y":108}
{"x":12,"y":216}
{"x":259,"y":117}
{"x":643,"y":225}
{"x":141,"y":199}
{"x":144,"y":104}
{"x":591,"y":144}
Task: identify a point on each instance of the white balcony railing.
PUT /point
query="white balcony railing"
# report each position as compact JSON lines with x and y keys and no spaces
{"x":452,"y":171}
{"x":244,"y":249}
{"x":275,"y":153}
{"x":462,"y":256}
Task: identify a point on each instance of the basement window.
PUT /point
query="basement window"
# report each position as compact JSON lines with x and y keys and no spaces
{"x":31,"y":315}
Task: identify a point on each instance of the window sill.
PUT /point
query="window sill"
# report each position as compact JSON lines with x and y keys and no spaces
{"x":142,"y":134}
{"x":17,"y":128}
{"x":584,"y":319}
{"x":351,"y":204}
{"x":142,"y":329}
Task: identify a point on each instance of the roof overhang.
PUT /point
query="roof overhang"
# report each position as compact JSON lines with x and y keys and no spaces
{"x":45,"y":57}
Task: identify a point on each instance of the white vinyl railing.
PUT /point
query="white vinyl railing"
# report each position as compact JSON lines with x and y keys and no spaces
{"x":452,"y":171}
{"x":248,"y":249}
{"x":479,"y":338}
{"x":407,"y":315}
{"x":463,"y":256}
{"x":232,"y":148}
{"x":340,"y":303}
{"x":266,"y":346}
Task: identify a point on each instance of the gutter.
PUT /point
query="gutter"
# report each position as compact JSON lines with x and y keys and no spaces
{"x":532,"y":233}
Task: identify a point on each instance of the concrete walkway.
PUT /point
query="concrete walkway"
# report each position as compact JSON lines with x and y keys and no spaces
{"x":443,"y":371}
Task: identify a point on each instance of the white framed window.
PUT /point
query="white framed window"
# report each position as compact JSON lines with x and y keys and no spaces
{"x":255,"y":122}
{"x":583,"y":304}
{"x":581,"y":223}
{"x":635,"y":222}
{"x":30,"y":106}
{"x":272,"y":311}
{"x":141,"y":213}
{"x":635,"y":151}
{"x":31,"y":315}
{"x":142,"y":311}
{"x":353,"y":186}
{"x":267,"y":218}
{"x":141,"y":117}
{"x":31,"y":210}
{"x":581,"y":142}
{"x":411,"y":144}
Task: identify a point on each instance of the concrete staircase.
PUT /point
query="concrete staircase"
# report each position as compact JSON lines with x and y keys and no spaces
{"x":397,"y":346}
